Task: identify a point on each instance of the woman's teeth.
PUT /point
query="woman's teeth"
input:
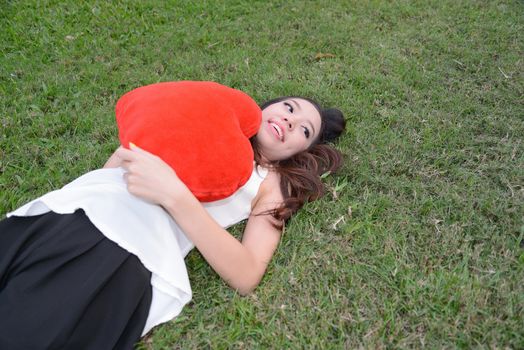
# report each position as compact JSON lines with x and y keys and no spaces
{"x":278,"y":129}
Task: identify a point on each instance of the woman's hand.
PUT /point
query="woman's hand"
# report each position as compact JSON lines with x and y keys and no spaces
{"x":149,"y":177}
{"x":240,"y":264}
{"x":114,"y":161}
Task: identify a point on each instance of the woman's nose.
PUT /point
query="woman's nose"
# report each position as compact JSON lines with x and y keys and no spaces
{"x":289,"y":123}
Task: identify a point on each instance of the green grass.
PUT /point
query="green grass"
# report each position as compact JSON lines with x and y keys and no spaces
{"x":432,"y":254}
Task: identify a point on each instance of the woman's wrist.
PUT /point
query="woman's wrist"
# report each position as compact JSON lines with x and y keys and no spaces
{"x":178,"y":197}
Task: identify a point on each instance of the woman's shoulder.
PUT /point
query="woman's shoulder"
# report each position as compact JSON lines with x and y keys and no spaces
{"x":272,"y":178}
{"x":269,"y":192}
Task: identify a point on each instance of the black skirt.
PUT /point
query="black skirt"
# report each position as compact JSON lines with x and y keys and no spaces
{"x":64,"y":285}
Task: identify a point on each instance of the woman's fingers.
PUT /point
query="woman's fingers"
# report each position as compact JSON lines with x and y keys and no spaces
{"x":148,"y":176}
{"x":125,"y":154}
{"x":126,"y":164}
{"x":138,"y":150}
{"x":135,"y":148}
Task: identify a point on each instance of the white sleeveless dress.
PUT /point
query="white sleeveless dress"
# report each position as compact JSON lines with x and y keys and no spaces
{"x":144,"y":229}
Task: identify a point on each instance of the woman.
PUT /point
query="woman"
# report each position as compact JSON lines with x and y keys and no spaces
{"x":64,"y":290}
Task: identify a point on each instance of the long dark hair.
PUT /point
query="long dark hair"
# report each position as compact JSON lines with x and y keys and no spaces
{"x":300,"y":174}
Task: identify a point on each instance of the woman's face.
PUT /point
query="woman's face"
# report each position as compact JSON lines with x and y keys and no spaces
{"x":288,"y":127}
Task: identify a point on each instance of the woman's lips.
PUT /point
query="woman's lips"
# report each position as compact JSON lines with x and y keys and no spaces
{"x":276,"y":129}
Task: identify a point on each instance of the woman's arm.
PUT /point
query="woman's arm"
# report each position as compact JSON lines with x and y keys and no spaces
{"x":240,"y":264}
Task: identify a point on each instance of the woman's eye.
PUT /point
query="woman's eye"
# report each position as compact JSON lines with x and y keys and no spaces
{"x":306,"y":132}
{"x":289,"y":107}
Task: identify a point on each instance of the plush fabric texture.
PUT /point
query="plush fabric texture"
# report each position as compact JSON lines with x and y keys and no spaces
{"x":201,"y":129}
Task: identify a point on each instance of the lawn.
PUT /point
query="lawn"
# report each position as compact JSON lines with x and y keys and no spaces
{"x":420,"y":240}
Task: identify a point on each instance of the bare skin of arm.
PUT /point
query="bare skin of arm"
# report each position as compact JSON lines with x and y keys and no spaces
{"x":240,"y":264}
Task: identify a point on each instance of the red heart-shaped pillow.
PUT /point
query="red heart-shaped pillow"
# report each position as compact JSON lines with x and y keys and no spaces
{"x":201,"y":129}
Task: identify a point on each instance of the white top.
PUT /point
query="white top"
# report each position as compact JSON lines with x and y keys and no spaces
{"x":144,"y":229}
